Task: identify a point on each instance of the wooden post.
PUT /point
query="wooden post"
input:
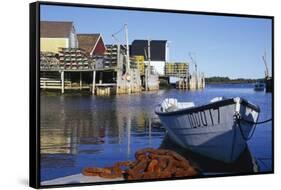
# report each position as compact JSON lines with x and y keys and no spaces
{"x":146,"y":79}
{"x":80,"y":81}
{"x":62,"y":82}
{"x":148,"y":66}
{"x":119,"y":70}
{"x":128,"y":67}
{"x":100,"y":81}
{"x":94,"y":82}
{"x":148,"y":52}
{"x":147,"y":69}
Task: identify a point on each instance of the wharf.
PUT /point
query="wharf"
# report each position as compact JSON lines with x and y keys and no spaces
{"x":72,"y":69}
{"x":78,"y":178}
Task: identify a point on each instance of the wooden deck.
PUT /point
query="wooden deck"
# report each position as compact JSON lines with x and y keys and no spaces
{"x":73,"y":69}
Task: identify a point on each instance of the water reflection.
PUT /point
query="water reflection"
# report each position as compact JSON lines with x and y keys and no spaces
{"x":79,"y":131}
{"x":83,"y":130}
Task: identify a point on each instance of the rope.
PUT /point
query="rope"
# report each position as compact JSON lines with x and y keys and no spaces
{"x":118,"y":31}
{"x":238,"y":119}
{"x":242,"y":133}
{"x":256,"y":123}
{"x":262,"y":161}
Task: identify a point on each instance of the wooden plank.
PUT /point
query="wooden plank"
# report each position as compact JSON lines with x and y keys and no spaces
{"x":50,"y":87}
{"x":65,"y":88}
{"x":50,"y":81}
{"x":65,"y":82}
{"x":106,"y":84}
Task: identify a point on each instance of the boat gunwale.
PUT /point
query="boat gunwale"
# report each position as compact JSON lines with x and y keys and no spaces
{"x":213,"y":105}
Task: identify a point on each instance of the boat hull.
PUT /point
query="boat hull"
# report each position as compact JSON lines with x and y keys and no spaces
{"x":211,"y":130}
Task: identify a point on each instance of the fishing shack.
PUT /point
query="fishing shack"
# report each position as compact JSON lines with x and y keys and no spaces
{"x":151,"y":56}
{"x":70,"y":61}
{"x":62,"y":64}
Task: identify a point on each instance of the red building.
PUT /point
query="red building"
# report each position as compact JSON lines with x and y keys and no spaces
{"x":91,"y":43}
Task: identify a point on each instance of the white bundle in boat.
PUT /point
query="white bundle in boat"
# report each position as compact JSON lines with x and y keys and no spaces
{"x":172,"y":104}
{"x":217,"y":99}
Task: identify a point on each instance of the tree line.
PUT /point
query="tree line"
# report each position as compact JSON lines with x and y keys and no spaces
{"x":216,"y":79}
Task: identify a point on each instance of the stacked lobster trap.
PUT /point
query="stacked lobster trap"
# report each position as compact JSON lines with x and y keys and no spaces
{"x":66,"y":59}
{"x":74,"y":59}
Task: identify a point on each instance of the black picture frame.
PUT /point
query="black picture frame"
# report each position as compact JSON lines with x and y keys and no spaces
{"x":34,"y":87}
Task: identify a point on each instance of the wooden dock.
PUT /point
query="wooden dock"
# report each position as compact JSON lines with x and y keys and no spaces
{"x":195,"y":81}
{"x":72,"y":69}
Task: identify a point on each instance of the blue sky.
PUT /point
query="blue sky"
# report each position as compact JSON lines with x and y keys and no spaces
{"x":224,"y":46}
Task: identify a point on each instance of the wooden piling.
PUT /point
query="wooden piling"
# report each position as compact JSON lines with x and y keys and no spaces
{"x":100,"y":79}
{"x":80,"y":85}
{"x":62,"y":82}
{"x":94,"y":82}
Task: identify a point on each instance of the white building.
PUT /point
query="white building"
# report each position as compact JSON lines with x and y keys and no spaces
{"x":158,"y":53}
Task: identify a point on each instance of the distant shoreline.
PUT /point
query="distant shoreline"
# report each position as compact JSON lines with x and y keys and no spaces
{"x":227,"y":80}
{"x":231,"y":82}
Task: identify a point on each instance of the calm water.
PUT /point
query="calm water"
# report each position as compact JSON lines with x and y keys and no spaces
{"x":84,"y":130}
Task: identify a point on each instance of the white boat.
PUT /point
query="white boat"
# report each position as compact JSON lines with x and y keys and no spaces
{"x":212,"y":130}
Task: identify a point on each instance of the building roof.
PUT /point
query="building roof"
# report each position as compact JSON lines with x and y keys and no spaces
{"x":157,"y":49}
{"x":88,"y":41}
{"x":54,"y":29}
